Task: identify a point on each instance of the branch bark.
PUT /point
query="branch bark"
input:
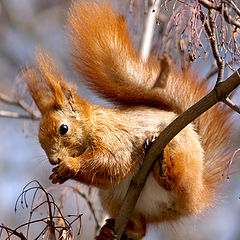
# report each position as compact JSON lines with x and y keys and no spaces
{"x":219,"y":93}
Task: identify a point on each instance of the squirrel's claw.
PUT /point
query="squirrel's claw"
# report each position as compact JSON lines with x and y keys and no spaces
{"x":150,"y":140}
{"x":56,"y":178}
{"x":63,"y":171}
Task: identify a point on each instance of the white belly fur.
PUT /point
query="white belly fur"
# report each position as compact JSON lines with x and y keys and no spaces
{"x":153,"y":199}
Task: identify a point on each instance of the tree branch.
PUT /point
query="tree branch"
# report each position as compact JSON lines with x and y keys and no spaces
{"x":9,"y":114}
{"x":232,"y":105}
{"x":210,"y":28}
{"x":31,"y":114}
{"x":219,"y":93}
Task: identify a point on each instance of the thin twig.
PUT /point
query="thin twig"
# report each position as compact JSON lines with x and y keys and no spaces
{"x":31,"y":114}
{"x":213,"y":71}
{"x":230,"y":162}
{"x":210,"y":28}
{"x":90,"y":205}
{"x":13,"y":232}
{"x":230,"y":20}
{"x":232,"y":105}
{"x":9,"y":114}
{"x":4,"y":98}
{"x":207,"y":4}
{"x":210,"y":74}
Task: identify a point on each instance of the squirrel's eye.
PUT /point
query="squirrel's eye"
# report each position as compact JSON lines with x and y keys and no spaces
{"x":63,"y":129}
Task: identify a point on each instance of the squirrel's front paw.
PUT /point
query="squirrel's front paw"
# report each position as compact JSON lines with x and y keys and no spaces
{"x":67,"y":169}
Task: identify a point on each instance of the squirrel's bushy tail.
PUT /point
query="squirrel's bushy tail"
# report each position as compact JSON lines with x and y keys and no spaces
{"x":214,"y":126}
{"x":103,"y":53}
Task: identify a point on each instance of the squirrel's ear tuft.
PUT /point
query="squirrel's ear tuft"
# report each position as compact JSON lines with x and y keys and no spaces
{"x":39,"y":90}
{"x":46,"y":84}
{"x":52,"y":76}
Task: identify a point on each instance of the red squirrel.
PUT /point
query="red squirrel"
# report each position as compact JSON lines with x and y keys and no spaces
{"x":103,"y":146}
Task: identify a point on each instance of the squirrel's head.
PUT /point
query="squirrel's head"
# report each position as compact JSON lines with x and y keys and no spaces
{"x":62,"y":133}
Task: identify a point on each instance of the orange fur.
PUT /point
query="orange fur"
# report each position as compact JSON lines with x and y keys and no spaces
{"x":108,"y":59}
{"x":103,"y":53}
{"x":103,"y":146}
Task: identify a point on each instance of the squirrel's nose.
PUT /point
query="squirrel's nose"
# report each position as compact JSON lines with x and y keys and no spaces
{"x":55,"y":161}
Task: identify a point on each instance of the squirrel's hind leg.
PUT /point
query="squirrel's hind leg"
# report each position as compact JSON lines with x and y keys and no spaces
{"x":135,"y":230}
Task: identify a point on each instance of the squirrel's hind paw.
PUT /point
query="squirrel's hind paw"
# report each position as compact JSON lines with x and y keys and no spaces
{"x":163,"y":170}
{"x":107,"y":231}
{"x":150,"y":140}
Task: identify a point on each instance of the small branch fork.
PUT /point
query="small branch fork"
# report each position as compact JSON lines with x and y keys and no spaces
{"x":29,"y":112}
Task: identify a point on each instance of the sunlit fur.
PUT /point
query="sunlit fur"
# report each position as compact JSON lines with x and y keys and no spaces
{"x":103,"y":146}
